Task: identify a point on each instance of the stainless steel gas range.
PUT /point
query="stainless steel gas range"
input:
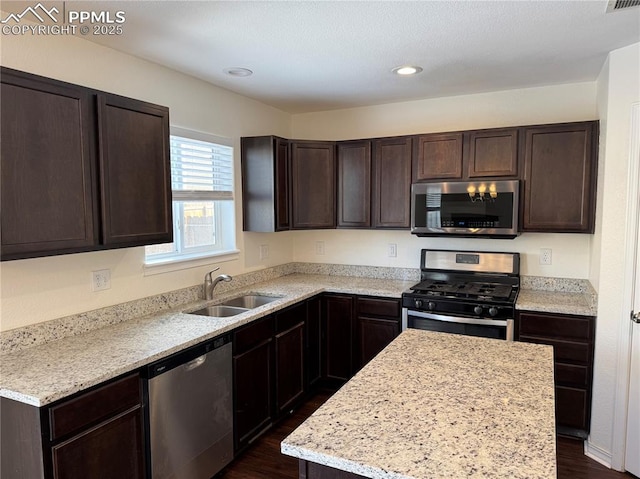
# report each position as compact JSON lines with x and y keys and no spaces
{"x":464,"y":292}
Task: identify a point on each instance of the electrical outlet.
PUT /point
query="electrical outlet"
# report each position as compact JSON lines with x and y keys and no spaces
{"x":545,"y":256}
{"x":392,"y":250}
{"x":320,"y":247}
{"x":264,"y":251}
{"x":100,"y":279}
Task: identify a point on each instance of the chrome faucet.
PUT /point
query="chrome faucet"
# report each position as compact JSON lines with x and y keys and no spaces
{"x":210,"y":284}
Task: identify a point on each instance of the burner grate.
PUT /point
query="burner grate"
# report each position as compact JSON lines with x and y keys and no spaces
{"x":468,"y":289}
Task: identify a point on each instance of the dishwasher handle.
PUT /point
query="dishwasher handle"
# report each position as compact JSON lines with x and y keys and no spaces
{"x":191,"y":358}
{"x":195,"y":363}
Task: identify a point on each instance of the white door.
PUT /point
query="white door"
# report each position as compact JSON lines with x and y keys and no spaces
{"x":632,"y":454}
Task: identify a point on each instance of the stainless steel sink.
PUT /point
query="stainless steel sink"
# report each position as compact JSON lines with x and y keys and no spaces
{"x":250,"y":301}
{"x":219,"y":311}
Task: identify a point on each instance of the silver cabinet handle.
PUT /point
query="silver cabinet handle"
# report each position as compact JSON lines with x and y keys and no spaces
{"x":635,"y":317}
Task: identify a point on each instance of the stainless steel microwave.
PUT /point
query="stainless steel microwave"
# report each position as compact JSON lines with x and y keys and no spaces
{"x":486,"y":209}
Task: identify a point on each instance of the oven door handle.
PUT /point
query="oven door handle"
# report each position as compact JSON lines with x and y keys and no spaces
{"x":509,"y":323}
{"x":454,"y":319}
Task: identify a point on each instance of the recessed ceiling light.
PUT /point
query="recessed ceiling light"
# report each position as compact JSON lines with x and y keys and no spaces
{"x":407,"y":70}
{"x":238,"y":72}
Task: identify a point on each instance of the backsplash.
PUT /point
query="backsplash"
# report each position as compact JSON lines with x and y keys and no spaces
{"x":33,"y":335}
{"x":40,"y":333}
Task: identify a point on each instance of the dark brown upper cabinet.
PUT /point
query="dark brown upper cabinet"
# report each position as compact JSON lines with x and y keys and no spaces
{"x":81,"y":170}
{"x":313,"y":177}
{"x":559,"y":187}
{"x":354,"y":184}
{"x":135,"y":171}
{"x":48,"y":167}
{"x":266,"y":184}
{"x":438,"y":156}
{"x":391,"y":191}
{"x":492,"y":153}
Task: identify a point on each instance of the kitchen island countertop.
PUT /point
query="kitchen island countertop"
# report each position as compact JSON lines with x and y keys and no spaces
{"x":435,"y":405}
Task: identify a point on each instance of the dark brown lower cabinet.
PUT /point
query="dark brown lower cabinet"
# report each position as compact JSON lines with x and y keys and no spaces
{"x":374,"y":335}
{"x":252,"y":380}
{"x":112,"y":449}
{"x":314,"y":340}
{"x":312,"y":470}
{"x":355,"y":329}
{"x":572,"y":338}
{"x":290,"y":356}
{"x":268,"y":371}
{"x":94,"y":434}
{"x":338,"y":337}
{"x":378,"y":323}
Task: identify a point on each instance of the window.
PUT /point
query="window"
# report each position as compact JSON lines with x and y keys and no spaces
{"x":203,"y":206}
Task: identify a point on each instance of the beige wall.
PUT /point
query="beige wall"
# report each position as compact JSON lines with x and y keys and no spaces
{"x":551,"y":104}
{"x":45,"y":288}
{"x":40,"y":289}
{"x":619,"y":88}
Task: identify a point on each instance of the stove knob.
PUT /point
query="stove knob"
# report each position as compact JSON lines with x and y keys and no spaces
{"x":477,"y":310}
{"x":493,"y":311}
{"x":418,"y":303}
{"x":431,"y":306}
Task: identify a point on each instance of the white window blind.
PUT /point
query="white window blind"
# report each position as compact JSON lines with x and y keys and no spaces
{"x":203,"y":200}
{"x":201,"y":170}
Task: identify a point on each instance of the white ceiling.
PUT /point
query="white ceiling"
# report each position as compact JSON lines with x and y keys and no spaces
{"x":321,"y":55}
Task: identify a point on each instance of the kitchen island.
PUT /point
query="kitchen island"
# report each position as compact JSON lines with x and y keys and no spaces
{"x":435,"y":405}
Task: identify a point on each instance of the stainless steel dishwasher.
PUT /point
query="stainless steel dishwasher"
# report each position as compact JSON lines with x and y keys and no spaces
{"x":191,"y":412}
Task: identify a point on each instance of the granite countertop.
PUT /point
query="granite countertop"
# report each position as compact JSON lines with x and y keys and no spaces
{"x":435,"y":405}
{"x":559,"y":302}
{"x":42,"y":374}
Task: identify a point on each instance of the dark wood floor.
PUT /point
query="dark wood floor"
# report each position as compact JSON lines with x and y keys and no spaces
{"x":263,"y":459}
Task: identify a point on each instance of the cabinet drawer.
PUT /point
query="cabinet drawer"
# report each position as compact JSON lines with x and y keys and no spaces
{"x":290,"y":317}
{"x":253,"y":334}
{"x":564,"y":351}
{"x":95,"y":406}
{"x":556,"y":326}
{"x":572,"y":374}
{"x":379,"y":307}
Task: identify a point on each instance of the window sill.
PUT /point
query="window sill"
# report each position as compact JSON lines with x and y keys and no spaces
{"x":186,"y":262}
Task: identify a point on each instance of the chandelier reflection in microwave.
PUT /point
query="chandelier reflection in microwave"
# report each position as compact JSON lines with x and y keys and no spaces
{"x":480,"y":193}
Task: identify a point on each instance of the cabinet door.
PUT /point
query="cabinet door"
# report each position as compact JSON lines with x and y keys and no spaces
{"x":438,"y":156}
{"x":314,"y":185}
{"x":314,"y":341}
{"x":283,"y":185}
{"x":135,"y":172}
{"x":374,"y":335}
{"x":48,"y":164}
{"x":266,"y":184}
{"x":354,"y":184}
{"x":338,"y":337}
{"x":252,"y":385}
{"x":392,"y":183}
{"x":289,"y":367}
{"x":560,"y":178}
{"x":112,"y":449}
{"x":493,"y":153}
{"x":572,"y":409}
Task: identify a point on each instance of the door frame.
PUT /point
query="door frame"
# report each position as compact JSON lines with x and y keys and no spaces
{"x":621,"y":401}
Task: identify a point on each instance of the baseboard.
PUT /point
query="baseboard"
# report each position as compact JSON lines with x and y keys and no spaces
{"x":597,"y":454}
